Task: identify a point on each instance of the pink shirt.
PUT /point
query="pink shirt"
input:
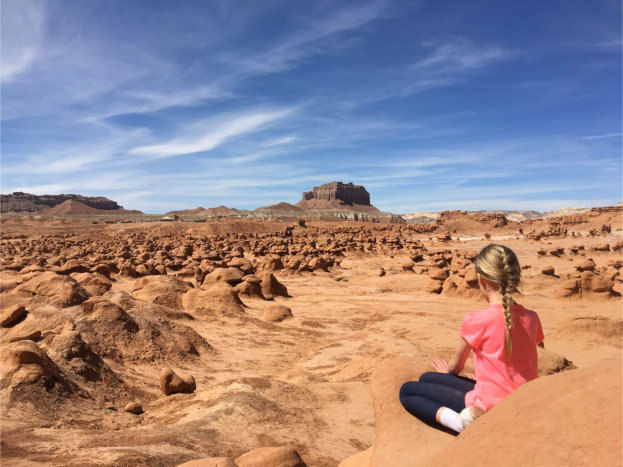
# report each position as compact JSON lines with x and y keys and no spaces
{"x":496,"y":376}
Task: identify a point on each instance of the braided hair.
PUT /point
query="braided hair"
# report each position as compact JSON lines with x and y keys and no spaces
{"x":500,"y":265}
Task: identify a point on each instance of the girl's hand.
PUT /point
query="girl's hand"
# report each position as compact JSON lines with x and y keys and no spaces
{"x":440,"y":365}
{"x":470,"y":376}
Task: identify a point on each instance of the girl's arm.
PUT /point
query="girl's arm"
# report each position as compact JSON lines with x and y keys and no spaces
{"x":457,"y":363}
{"x":460,"y":357}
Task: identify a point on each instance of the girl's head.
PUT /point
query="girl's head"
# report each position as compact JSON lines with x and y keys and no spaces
{"x":499,"y":267}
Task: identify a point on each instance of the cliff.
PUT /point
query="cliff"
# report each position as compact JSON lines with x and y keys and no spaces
{"x":25,"y":202}
{"x":338,"y":191}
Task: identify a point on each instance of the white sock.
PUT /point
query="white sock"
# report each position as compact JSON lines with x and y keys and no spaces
{"x":449,"y":418}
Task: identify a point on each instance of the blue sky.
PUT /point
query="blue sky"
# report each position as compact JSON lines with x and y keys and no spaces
{"x":430,"y":105}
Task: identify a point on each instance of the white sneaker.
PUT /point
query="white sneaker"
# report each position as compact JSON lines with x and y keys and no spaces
{"x":469,"y":414}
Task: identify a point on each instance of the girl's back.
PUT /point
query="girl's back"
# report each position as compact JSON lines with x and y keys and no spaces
{"x":497,"y":375}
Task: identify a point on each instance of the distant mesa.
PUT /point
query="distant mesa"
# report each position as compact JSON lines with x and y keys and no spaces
{"x":26,"y":202}
{"x":347,"y":193}
{"x":335,"y":200}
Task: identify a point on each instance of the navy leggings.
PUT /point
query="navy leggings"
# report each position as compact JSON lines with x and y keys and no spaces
{"x":423,"y":398}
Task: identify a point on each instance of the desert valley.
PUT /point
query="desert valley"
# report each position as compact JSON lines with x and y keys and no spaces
{"x":280,"y":336}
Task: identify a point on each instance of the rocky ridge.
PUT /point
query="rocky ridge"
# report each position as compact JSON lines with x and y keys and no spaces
{"x":26,"y":202}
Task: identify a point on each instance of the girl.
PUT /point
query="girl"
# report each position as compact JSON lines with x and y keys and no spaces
{"x":503,"y":337}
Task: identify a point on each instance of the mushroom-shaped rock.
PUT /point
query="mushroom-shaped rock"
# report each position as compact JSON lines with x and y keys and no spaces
{"x":243,"y":264}
{"x":548,"y":270}
{"x":230,"y":275}
{"x":592,"y":282}
{"x":220,"y":298}
{"x":569,"y":288}
{"x":280,"y":456}
{"x":210,"y":462}
{"x":249,"y":289}
{"x":275,"y":313}
{"x":273,"y":263}
{"x":12,"y":315}
{"x":172,"y":383}
{"x":586,"y":264}
{"x":271,"y":287}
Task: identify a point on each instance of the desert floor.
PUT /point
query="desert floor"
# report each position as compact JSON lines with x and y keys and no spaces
{"x":303,"y":381}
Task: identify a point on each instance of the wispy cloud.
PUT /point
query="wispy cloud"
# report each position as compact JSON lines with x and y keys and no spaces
{"x":22,"y":35}
{"x":279,"y":141}
{"x":458,"y":56}
{"x":207,"y":135}
{"x":604,"y":136}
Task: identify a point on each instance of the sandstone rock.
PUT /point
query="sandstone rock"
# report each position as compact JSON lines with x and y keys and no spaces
{"x":347,"y":192}
{"x":24,"y":363}
{"x":591,"y":328}
{"x":591,"y":435}
{"x":161,"y":290}
{"x":134,"y":407}
{"x":172,"y":383}
{"x":319,"y":263}
{"x":568,"y":288}
{"x":220,"y":298}
{"x":210,"y":462}
{"x":434,"y":286}
{"x":456,"y":286}
{"x":25,"y":202}
{"x":243,"y":264}
{"x":585,"y":265}
{"x":62,"y":291}
{"x":12,"y":315}
{"x":97,"y":286}
{"x":437,"y":274}
{"x":275,"y":313}
{"x":99,"y":308}
{"x":271,"y":287}
{"x":232,"y":276}
{"x":591,"y":282}
{"x":548,"y":271}
{"x":281,"y":456}
{"x":471,"y":277}
{"x":551,"y":362}
{"x":249,"y":289}
{"x":77,"y":358}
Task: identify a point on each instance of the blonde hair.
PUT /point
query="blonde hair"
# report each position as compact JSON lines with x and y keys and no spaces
{"x":499,"y":264}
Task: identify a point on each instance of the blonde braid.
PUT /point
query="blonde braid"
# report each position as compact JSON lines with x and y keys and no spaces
{"x":508,"y":285}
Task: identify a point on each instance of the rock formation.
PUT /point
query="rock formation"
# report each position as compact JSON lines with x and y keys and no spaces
{"x":338,"y":191}
{"x":25,"y":202}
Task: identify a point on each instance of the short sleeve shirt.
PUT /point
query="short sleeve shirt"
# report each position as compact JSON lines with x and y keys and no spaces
{"x":496,"y":374}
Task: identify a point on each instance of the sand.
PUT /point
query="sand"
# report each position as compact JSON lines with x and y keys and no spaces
{"x":304,"y":382}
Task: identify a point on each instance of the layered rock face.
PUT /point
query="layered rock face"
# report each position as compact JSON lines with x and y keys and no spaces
{"x":338,"y":191}
{"x":25,"y":202}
